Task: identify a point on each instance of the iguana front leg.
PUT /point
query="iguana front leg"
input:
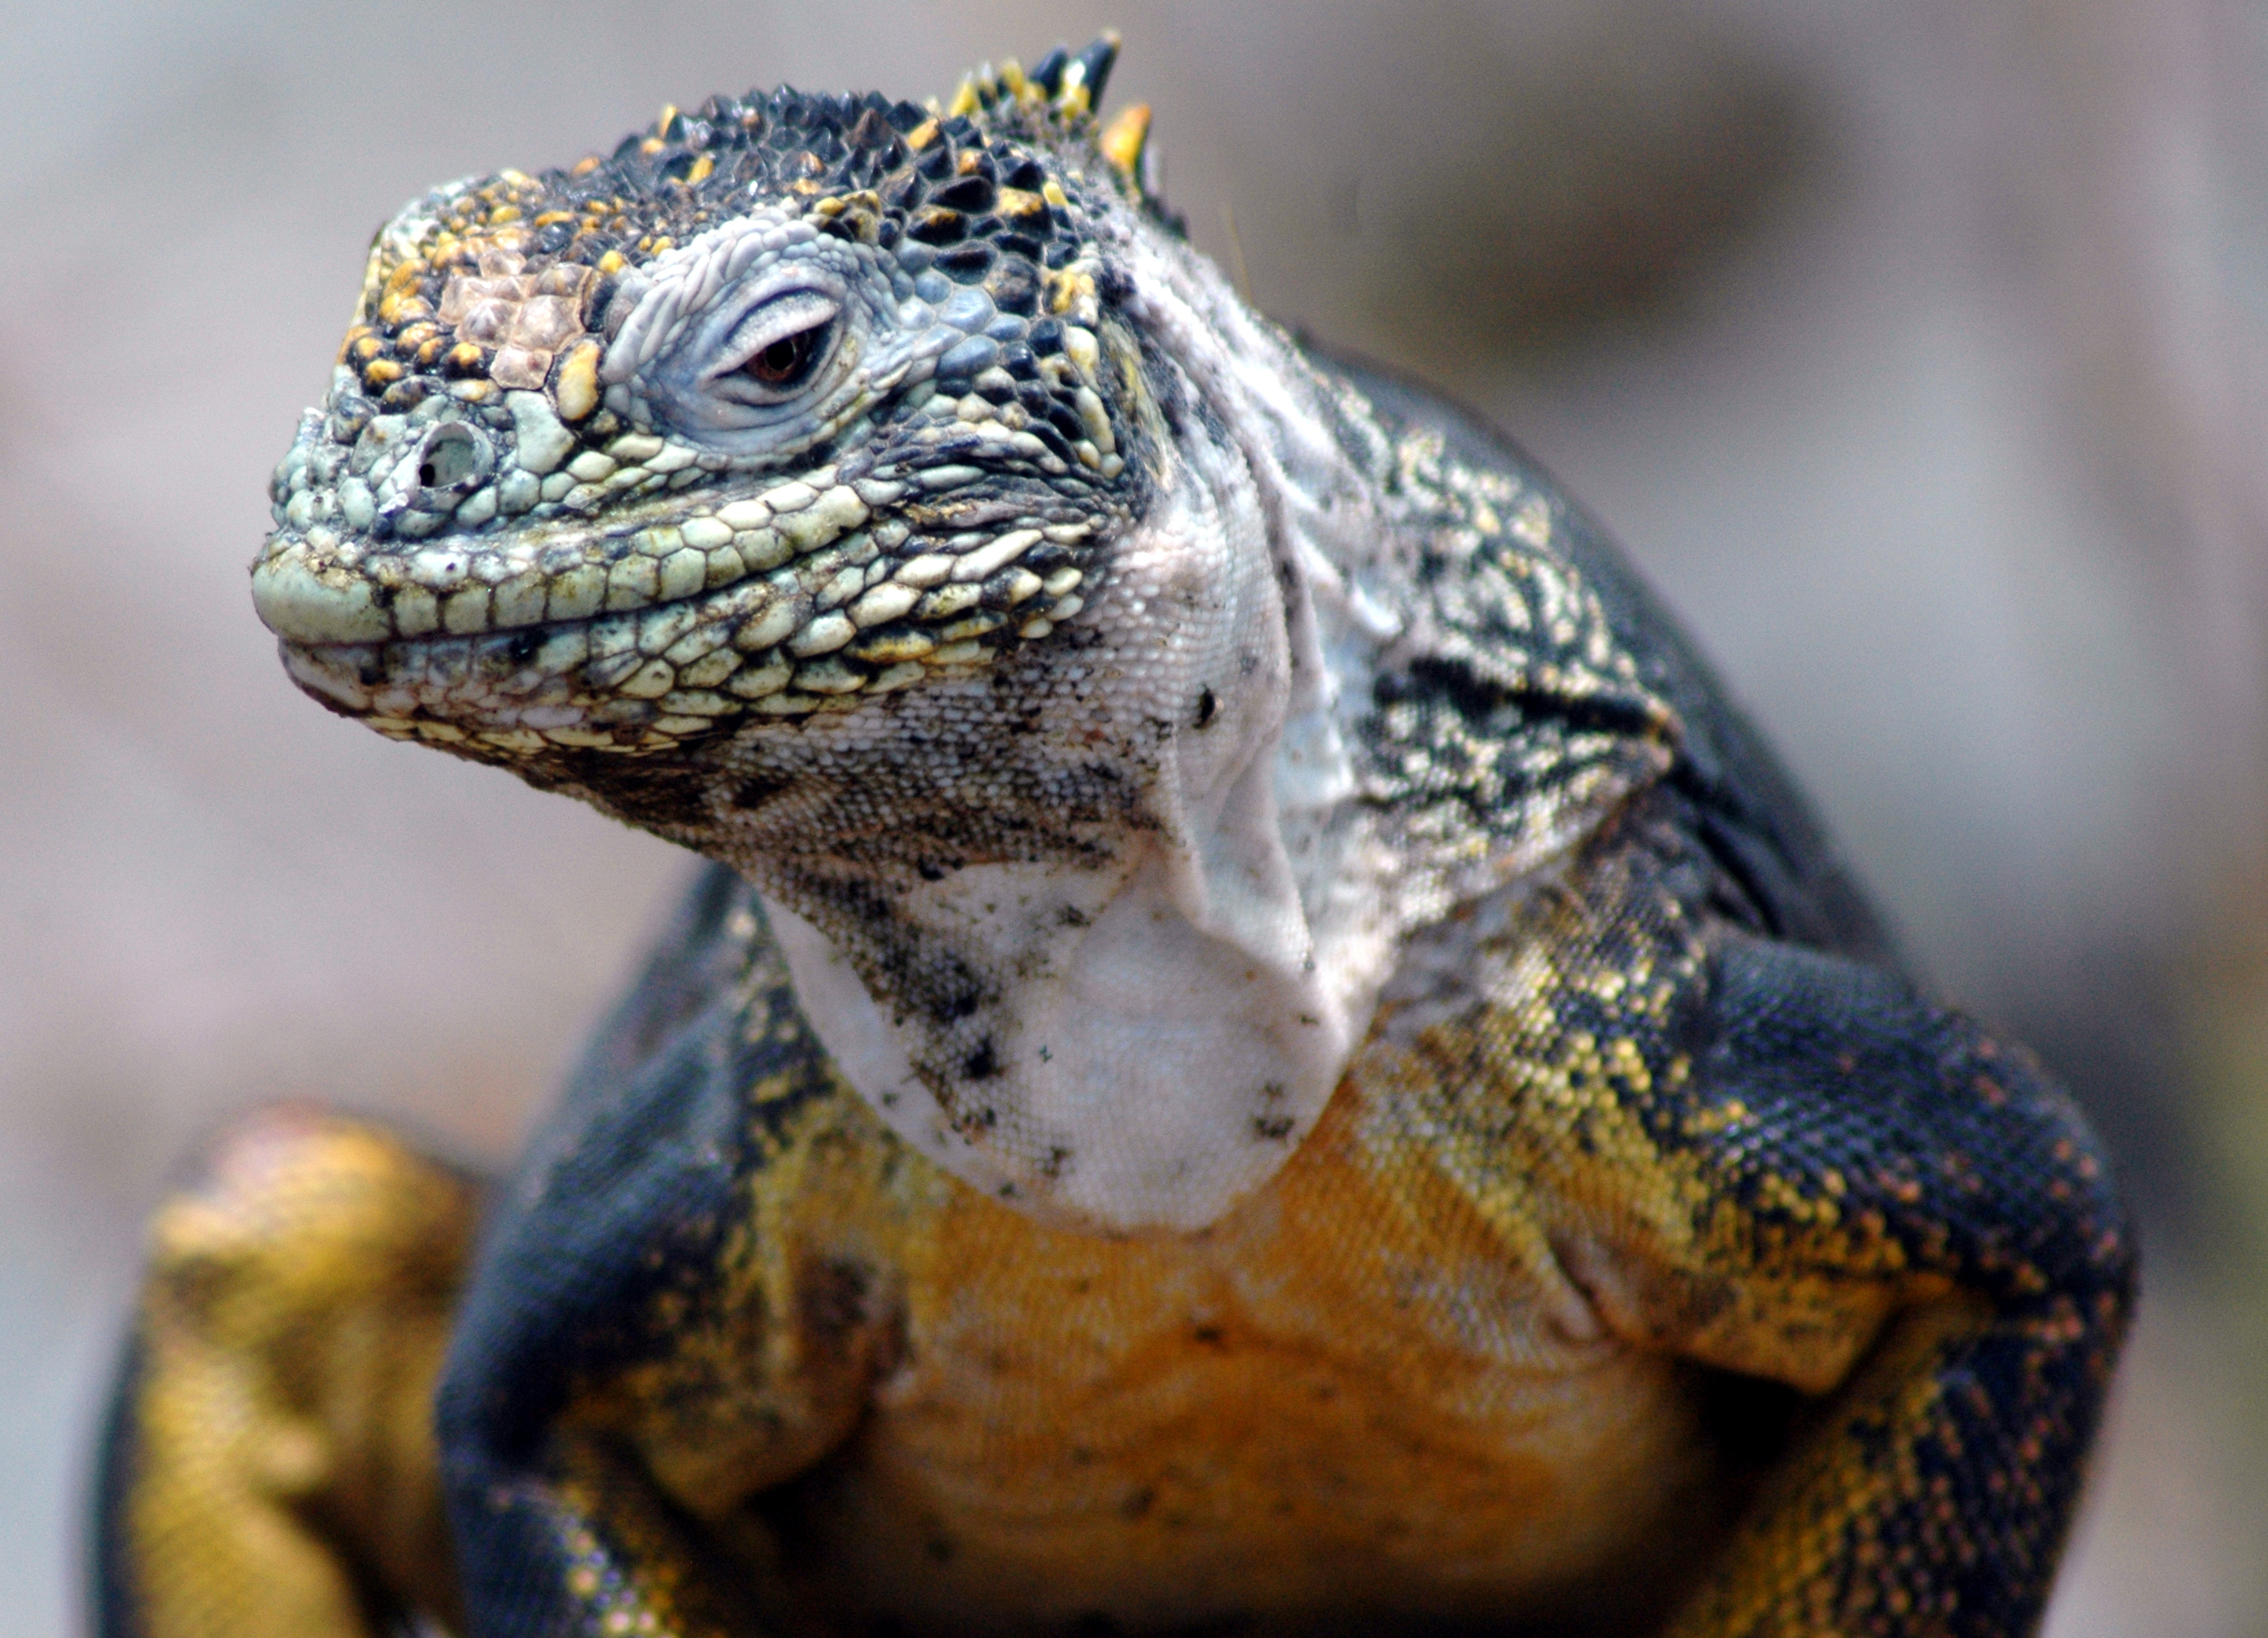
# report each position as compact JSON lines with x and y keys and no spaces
{"x":1860,"y":1136}
{"x":270,"y":1469}
{"x":684,"y":1300}
{"x":1787,"y":1166}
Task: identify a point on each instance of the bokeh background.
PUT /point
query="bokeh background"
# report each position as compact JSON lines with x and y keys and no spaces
{"x":1918,"y":351}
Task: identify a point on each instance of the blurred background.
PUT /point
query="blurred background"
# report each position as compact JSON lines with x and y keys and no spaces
{"x":1918,"y":351}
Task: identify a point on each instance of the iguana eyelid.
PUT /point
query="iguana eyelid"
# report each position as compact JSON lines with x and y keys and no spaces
{"x":697,"y":383}
{"x":776,"y":318}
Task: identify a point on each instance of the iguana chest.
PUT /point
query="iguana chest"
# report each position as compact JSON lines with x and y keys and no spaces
{"x":1352,"y":1394}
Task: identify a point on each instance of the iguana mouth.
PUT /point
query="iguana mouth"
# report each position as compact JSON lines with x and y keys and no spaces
{"x":820,"y":591}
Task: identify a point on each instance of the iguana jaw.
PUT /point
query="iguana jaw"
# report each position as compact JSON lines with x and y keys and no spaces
{"x":663,"y":624}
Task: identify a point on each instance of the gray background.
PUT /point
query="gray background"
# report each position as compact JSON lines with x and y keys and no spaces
{"x":1917,"y":350}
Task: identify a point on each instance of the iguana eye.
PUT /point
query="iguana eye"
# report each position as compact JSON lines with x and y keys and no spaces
{"x":788,"y":361}
{"x":755,"y":339}
{"x":777,"y":347}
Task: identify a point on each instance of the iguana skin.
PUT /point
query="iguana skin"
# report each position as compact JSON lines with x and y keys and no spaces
{"x":1654,"y":1260}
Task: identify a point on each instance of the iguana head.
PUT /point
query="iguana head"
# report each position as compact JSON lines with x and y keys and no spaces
{"x":888,"y":501}
{"x":784,"y":407}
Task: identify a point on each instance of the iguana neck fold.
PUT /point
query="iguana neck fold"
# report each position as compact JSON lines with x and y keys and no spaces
{"x":1137,"y":1029}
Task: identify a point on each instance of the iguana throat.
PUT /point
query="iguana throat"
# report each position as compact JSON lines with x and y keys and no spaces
{"x":1135,"y":1031}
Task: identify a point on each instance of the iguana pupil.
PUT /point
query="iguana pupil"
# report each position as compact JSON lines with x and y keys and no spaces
{"x":789,"y":359}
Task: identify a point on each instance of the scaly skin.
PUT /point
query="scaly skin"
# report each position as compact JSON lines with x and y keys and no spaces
{"x":1262,"y":1051}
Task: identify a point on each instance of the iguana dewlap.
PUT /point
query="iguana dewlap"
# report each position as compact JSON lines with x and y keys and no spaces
{"x":1261,"y":1051}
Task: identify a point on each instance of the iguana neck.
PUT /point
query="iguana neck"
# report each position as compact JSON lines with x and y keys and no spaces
{"x":1133,"y":1024}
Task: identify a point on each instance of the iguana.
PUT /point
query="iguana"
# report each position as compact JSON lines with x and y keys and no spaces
{"x":1260,"y":1051}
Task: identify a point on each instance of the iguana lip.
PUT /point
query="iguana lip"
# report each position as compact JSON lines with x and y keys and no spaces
{"x":667,"y":619}
{"x":316,"y":587}
{"x":824,"y":631}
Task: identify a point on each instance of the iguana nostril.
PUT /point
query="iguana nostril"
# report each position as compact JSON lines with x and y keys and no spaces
{"x":453,"y":454}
